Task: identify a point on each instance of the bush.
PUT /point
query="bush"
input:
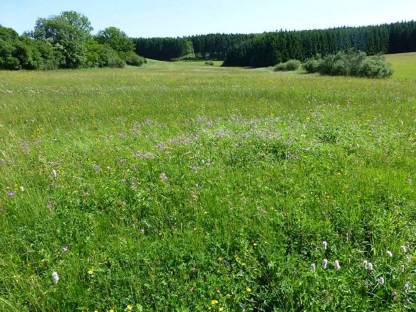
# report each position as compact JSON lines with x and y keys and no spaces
{"x":133,"y":59}
{"x":375,"y":67}
{"x":114,"y":60}
{"x":312,"y":65}
{"x":349,"y":63}
{"x":290,"y":65}
{"x":209,"y":63}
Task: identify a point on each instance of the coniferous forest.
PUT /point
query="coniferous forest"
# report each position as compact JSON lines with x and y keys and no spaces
{"x":268,"y":49}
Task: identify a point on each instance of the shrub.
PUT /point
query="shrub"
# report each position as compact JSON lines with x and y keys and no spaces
{"x":312,"y":65}
{"x":290,"y":65}
{"x":349,"y":63}
{"x":114,"y":60}
{"x":375,"y":67}
{"x":134,"y":60}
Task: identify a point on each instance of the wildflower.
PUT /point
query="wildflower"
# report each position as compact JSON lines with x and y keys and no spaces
{"x":403,"y":249}
{"x":163,"y":177}
{"x":55,"y":278}
{"x":248,"y":290}
{"x":11,"y":194}
{"x":406,"y":286}
{"x":369,"y":266}
{"x":402,"y":269}
{"x":337,"y":265}
{"x":381,"y":280}
{"x":65,"y":248}
{"x":325,"y":245}
{"x":90,"y":271}
{"x":96,"y":167}
{"x":389,"y":253}
{"x":221,"y":309}
{"x":22,"y":189}
{"x":54,"y":174}
{"x":325,"y":264}
{"x":214,"y":302}
{"x":313,"y":267}
{"x":408,"y":259}
{"x":129,"y":308}
{"x":365,"y":263}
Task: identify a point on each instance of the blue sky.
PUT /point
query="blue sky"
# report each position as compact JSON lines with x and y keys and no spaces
{"x":150,"y":18}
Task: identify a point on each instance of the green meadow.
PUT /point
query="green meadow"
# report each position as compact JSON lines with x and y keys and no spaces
{"x":187,"y":187}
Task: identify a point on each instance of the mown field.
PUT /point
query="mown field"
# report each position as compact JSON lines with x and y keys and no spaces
{"x":185,"y":187}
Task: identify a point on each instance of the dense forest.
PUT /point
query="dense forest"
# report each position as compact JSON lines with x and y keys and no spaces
{"x":271,"y":48}
{"x":210,"y":47}
{"x":65,"y":41}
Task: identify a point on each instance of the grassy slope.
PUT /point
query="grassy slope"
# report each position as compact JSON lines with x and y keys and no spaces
{"x":261,"y":168}
{"x":404,"y":65}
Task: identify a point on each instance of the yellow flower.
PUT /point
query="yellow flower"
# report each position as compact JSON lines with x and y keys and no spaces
{"x":91,"y":272}
{"x":129,"y":308}
{"x":248,"y":290}
{"x":111,"y":310}
{"x":214,"y":302}
{"x":221,"y":309}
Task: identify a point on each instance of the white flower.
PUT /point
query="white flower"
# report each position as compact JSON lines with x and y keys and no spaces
{"x":11,"y":194}
{"x":65,"y":248}
{"x":408,"y":259}
{"x":337,"y":265}
{"x":389,"y":253}
{"x":325,"y":264}
{"x":381,"y":280}
{"x":406,"y":286}
{"x":54,"y":174}
{"x":403,"y":249}
{"x":313,"y":267}
{"x":55,"y":278}
{"x":367,"y":265}
{"x":403,"y":269}
{"x":163,"y":177}
{"x":325,"y":245}
{"x":22,"y":189}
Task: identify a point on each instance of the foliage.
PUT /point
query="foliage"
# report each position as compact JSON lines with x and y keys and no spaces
{"x":312,"y":65}
{"x":133,"y":59}
{"x":65,"y":41}
{"x":68,"y":32}
{"x":290,"y":65}
{"x":141,"y":188}
{"x":116,"y":39}
{"x":100,"y":55}
{"x":165,"y":49}
{"x":272,"y":48}
{"x":350,"y":63}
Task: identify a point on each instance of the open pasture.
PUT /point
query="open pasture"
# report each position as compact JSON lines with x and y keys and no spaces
{"x":186,"y":187}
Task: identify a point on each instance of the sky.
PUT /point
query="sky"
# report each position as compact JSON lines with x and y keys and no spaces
{"x":170,"y":18}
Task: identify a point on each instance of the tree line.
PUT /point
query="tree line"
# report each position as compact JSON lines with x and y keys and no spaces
{"x":271,"y":48}
{"x":65,"y":41}
{"x":275,"y":47}
{"x":208,"y":47}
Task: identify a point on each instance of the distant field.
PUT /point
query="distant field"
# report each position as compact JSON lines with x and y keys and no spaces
{"x":186,"y":187}
{"x":404,"y":65}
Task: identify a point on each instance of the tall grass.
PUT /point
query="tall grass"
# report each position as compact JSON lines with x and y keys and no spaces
{"x":176,"y":187}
